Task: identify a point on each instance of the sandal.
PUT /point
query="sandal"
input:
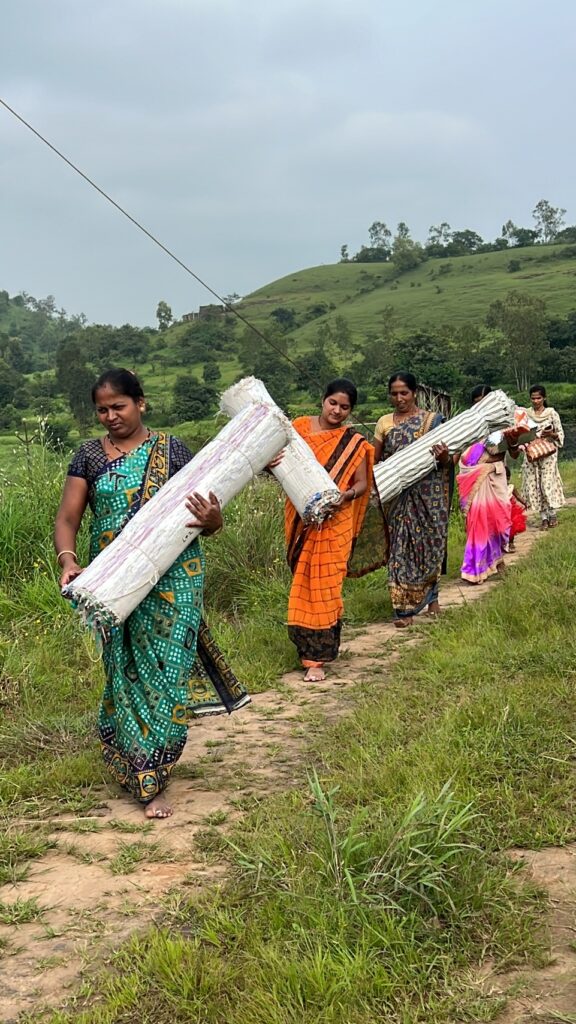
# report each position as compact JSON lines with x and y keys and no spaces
{"x":552,"y":522}
{"x":403,"y":623}
{"x":544,"y":524}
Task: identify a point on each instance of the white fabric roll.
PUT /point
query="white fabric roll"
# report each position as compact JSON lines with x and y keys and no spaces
{"x":305,"y":481}
{"x":406,"y":467}
{"x":123,"y":574}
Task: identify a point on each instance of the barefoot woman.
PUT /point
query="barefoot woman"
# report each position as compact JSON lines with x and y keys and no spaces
{"x":318,"y":556}
{"x":153,"y":682}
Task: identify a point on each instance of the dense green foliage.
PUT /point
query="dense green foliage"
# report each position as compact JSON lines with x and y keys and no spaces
{"x":502,"y":314}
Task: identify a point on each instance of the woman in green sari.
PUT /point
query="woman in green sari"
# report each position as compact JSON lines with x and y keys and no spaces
{"x":162,"y":666}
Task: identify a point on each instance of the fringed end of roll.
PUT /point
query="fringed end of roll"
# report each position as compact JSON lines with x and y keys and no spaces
{"x":320,"y":506}
{"x":99,"y":619}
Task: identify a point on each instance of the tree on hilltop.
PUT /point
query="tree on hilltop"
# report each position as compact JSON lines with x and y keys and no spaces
{"x":379,"y":250}
{"x":406,"y":253}
{"x":163,"y":315}
{"x":519,"y":237}
{"x":549,"y":220}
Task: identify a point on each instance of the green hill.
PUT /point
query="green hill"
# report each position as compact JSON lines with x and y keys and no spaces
{"x":326,"y":320}
{"x":439,"y":291}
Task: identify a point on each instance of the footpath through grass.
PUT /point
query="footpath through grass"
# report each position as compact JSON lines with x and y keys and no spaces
{"x":375,"y":890}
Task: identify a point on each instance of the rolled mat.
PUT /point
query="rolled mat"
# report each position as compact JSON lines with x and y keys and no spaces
{"x":123,"y":573}
{"x":406,"y":467}
{"x":304,"y":480}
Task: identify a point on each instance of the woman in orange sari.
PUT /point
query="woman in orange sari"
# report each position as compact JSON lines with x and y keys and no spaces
{"x":318,"y":555}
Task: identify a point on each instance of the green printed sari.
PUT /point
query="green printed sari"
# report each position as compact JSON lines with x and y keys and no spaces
{"x":162,"y":666}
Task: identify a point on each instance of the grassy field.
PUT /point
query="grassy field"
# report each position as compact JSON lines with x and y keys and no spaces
{"x":455,"y":290}
{"x":377,"y":889}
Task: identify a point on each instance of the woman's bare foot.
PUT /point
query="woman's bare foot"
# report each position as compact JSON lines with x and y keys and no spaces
{"x":158,"y":808}
{"x":434,"y":609}
{"x":315,"y":674}
{"x":403,"y":623}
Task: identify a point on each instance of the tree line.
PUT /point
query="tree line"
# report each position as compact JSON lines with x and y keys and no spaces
{"x":406,"y":254}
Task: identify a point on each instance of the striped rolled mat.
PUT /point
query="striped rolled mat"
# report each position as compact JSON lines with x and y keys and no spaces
{"x":123,"y":573}
{"x":303,"y":479}
{"x":494,"y":412}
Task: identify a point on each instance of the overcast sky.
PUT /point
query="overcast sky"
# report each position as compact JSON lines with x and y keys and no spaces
{"x":255,"y":137}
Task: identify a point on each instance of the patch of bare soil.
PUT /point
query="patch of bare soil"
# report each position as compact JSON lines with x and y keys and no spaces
{"x":103,"y":882}
{"x":546,"y":995}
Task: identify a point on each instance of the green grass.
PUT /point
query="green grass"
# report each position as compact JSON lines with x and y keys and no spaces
{"x":375,"y":890}
{"x":18,"y":846}
{"x":21,"y":911}
{"x":427,"y":295}
{"x":371,"y":891}
{"x":130,"y":855}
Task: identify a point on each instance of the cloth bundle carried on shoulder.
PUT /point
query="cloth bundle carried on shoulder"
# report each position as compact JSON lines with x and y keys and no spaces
{"x":522,"y":431}
{"x":304,"y":480}
{"x":123,"y":574}
{"x":406,"y":467}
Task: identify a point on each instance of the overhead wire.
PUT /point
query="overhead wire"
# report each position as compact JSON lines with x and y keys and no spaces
{"x":153,"y":238}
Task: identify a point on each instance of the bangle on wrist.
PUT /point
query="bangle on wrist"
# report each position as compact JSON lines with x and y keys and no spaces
{"x":66,"y":552}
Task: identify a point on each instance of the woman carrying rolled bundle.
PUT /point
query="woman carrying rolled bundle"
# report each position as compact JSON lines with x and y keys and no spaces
{"x":318,"y":555}
{"x":541,"y":481}
{"x":417,"y":519}
{"x":162,"y":666}
{"x":483,"y":490}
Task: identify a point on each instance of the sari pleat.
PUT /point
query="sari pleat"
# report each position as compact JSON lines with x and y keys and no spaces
{"x":483,"y":491}
{"x":162,"y":665}
{"x":417,"y":522}
{"x":318,"y":556}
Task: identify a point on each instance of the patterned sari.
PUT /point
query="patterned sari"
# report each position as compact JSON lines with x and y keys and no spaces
{"x":483,"y":491}
{"x":162,"y":665}
{"x":417,"y":521}
{"x":318,"y":555}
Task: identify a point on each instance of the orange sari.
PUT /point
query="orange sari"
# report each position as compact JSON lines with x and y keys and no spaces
{"x":318,"y":555}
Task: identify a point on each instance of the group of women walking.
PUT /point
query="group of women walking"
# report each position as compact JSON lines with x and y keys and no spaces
{"x":163,"y":667}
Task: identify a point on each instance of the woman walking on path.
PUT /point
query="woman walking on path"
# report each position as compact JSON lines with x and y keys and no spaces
{"x":417,"y":519}
{"x":154,"y":682}
{"x":318,"y":556}
{"x":483,"y":490}
{"x":541,"y":481}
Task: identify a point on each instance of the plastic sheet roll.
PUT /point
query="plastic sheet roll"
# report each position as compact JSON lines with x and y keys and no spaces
{"x":123,"y":574}
{"x":494,"y":412}
{"x":305,"y":481}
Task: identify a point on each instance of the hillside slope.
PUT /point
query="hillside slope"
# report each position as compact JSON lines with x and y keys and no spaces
{"x":439,"y":291}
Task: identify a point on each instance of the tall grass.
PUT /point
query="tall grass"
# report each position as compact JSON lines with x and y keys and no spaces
{"x":376,"y":889}
{"x":369,"y":893}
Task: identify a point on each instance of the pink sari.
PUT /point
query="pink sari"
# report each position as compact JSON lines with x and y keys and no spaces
{"x":483,"y":491}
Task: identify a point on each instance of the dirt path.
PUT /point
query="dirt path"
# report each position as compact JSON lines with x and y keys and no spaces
{"x":106,"y":877}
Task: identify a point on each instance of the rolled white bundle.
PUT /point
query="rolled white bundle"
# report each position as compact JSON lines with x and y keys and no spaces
{"x":413,"y":463}
{"x":123,"y":574}
{"x":304,"y":480}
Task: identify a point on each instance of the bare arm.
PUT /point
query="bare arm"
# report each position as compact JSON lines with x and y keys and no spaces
{"x":378,"y":447}
{"x":358,"y":484}
{"x":68,"y":520}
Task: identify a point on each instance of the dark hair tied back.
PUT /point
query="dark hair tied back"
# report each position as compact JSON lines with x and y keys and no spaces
{"x":344,"y":386}
{"x":404,"y":378}
{"x":480,"y":391}
{"x":123,"y":382}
